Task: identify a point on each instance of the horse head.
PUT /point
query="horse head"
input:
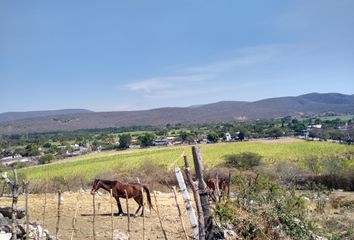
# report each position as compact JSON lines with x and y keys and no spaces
{"x":95,"y":186}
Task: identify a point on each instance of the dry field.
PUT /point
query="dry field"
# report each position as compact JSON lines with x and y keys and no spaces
{"x":103,"y":222}
{"x":332,"y":219}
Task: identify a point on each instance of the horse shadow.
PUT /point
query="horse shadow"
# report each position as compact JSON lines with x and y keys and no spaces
{"x":109,"y":214}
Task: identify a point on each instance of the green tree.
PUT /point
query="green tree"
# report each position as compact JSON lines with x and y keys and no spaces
{"x":146,"y":140}
{"x":47,"y":145}
{"x":275,"y":132}
{"x":213,"y":137}
{"x":124,"y":141}
{"x":187,"y":137}
{"x":46,"y":158}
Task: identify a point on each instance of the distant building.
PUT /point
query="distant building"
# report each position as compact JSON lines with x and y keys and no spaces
{"x":228,"y":137}
{"x":161,"y":142}
{"x":318,"y":126}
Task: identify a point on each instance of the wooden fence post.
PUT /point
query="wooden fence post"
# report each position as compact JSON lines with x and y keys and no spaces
{"x":203,"y":193}
{"x":94,"y":215}
{"x":58,"y":216}
{"x":188,"y":203}
{"x":112,"y":222}
{"x":14,"y":205}
{"x":158,"y":215}
{"x":143,"y":202}
{"x":44,"y":205}
{"x":3,"y":189}
{"x":179,"y":213}
{"x":229,"y":185}
{"x":73,"y":224}
{"x":217,"y":190}
{"x":194,"y":186}
{"x":25,"y":184}
{"x":126,"y":199}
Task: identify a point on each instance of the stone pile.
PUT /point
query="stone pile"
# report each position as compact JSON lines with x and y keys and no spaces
{"x":36,"y":232}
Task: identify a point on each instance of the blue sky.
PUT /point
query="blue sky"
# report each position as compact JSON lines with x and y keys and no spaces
{"x":129,"y":55}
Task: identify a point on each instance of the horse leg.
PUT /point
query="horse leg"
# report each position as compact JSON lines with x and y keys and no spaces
{"x":120,"y":210}
{"x":139,"y":201}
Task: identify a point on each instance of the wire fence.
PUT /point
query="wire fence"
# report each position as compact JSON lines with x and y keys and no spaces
{"x":81,"y":215}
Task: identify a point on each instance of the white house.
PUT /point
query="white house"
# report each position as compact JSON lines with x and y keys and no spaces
{"x":228,"y":137}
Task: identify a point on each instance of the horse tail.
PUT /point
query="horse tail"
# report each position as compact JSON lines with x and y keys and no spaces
{"x":148,"y":196}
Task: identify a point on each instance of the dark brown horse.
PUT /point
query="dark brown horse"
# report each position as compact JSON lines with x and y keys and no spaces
{"x":223,"y":185}
{"x":118,"y":190}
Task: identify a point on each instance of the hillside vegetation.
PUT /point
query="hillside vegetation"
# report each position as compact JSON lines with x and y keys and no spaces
{"x":226,"y":111}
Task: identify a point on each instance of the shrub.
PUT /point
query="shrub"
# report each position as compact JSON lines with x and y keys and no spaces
{"x":146,"y":140}
{"x":124,"y":141}
{"x":313,"y":164}
{"x":46,"y":159}
{"x":332,"y":166}
{"x":244,"y":161}
{"x":213,"y":137}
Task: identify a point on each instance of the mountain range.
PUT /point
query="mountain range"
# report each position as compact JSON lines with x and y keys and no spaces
{"x":225,"y":111}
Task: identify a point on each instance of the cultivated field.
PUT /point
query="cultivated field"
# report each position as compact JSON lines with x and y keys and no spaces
{"x":167,"y":158}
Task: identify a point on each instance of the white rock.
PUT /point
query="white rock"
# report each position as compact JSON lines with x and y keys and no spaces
{"x":306,"y":198}
{"x":5,"y":236}
{"x":117,"y":235}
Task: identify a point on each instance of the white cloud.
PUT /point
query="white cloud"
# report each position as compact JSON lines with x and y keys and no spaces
{"x":219,"y":76}
{"x":154,"y":85}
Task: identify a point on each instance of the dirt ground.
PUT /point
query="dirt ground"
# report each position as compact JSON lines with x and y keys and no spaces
{"x":103,"y":221}
{"x":337,"y":219}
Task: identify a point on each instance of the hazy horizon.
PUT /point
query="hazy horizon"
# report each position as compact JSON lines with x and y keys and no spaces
{"x":226,"y":100}
{"x":118,"y":55}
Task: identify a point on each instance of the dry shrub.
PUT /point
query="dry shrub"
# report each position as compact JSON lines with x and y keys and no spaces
{"x":288,"y":170}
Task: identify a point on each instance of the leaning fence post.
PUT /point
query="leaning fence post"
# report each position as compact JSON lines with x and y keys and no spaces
{"x":194,"y":186}
{"x":58,"y":216}
{"x":187,"y":202}
{"x":158,"y":215}
{"x":179,"y":213}
{"x":203,"y":193}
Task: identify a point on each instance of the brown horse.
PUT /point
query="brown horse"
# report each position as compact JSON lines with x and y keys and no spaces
{"x":222,"y":184}
{"x":118,"y":190}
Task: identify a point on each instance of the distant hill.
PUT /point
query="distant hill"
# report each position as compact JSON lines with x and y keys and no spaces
{"x":11,"y":116}
{"x":226,"y":111}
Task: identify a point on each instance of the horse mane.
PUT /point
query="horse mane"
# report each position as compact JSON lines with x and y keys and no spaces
{"x":107,"y":181}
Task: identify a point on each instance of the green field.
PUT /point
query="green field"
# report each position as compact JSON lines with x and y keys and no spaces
{"x":331,"y":118}
{"x":88,"y":166}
